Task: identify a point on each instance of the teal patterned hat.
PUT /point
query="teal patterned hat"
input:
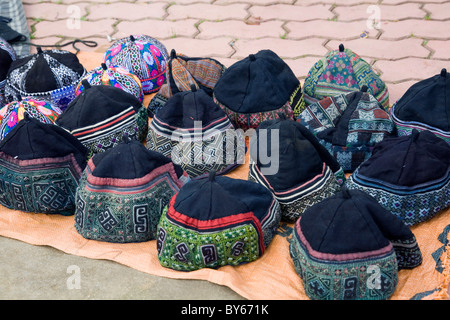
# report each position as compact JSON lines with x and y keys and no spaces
{"x":342,"y":71}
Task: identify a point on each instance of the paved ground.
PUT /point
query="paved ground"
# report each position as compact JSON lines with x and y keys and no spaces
{"x":405,"y":41}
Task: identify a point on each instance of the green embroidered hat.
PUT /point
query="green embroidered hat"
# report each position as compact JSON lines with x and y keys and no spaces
{"x":342,"y":71}
{"x":348,"y":247}
{"x":123,"y":191}
{"x":216,"y":221}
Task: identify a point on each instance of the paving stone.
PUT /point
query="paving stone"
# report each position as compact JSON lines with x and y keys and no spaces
{"x":301,"y":66}
{"x":257,"y":2}
{"x":418,"y":1}
{"x":438,"y":11}
{"x":441,"y":49}
{"x":292,"y":13}
{"x":283,"y":47}
{"x":74,"y":28}
{"x":217,"y":47}
{"x":207,"y":11}
{"x":327,"y":29}
{"x":386,"y":12}
{"x":427,"y":29}
{"x":397,"y":90}
{"x":409,"y":69}
{"x":160,"y":29}
{"x":241,"y":30}
{"x":51,"y":11}
{"x":136,"y":11}
{"x":384,"y":49}
{"x":334,"y":2}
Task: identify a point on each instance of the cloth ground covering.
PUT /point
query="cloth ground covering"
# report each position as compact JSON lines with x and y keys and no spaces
{"x":271,"y":277}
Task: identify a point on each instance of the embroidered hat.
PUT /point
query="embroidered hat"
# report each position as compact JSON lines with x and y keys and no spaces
{"x":101,"y":115}
{"x":408,"y":175}
{"x":342,"y":71}
{"x":7,"y":56}
{"x":216,"y":221}
{"x":300,"y":173}
{"x":348,"y":247}
{"x":40,"y":167}
{"x":12,"y":113}
{"x":117,"y":205}
{"x":425,"y":106}
{"x":258,"y":88}
{"x":348,"y":125}
{"x":50,"y":75}
{"x":183,"y":72}
{"x":113,"y":76}
{"x":196,"y":133}
{"x":142,"y":55}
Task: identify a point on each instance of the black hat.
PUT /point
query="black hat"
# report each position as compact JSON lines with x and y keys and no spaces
{"x":425,"y":106}
{"x":408,"y":175}
{"x":41,"y":165}
{"x":102,"y":114}
{"x":7,"y":56}
{"x":117,"y":205}
{"x":196,"y":133}
{"x":348,"y":247}
{"x":258,"y":88}
{"x":50,"y":75}
{"x":215,"y":221}
{"x":300,"y":173}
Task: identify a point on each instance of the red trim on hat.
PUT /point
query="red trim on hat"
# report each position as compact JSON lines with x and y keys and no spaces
{"x":105,"y":125}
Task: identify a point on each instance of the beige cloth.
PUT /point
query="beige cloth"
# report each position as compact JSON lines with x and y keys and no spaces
{"x":271,"y":277}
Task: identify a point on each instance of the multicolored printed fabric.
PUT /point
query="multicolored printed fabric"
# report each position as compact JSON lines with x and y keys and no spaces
{"x":143,"y":56}
{"x":13,"y":112}
{"x":408,"y":175}
{"x":114,"y":207}
{"x":114,"y":76}
{"x":61,"y":70}
{"x":183,"y":72}
{"x":7,"y":56}
{"x":348,"y":247}
{"x":348,"y":125}
{"x":205,"y":237}
{"x":339,"y":72}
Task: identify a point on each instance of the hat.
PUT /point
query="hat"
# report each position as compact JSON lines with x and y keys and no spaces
{"x":12,"y":113}
{"x":182,"y":72}
{"x":425,"y":106}
{"x":300,"y":173}
{"x":117,"y":205}
{"x":258,"y":88}
{"x":7,"y":56}
{"x":196,"y":133}
{"x":348,"y":247}
{"x":101,"y":115}
{"x":50,"y":75}
{"x":408,"y":175}
{"x":113,"y":76}
{"x":143,"y":56}
{"x":216,"y":221}
{"x":348,"y":125}
{"x":40,"y":167}
{"x":342,"y":71}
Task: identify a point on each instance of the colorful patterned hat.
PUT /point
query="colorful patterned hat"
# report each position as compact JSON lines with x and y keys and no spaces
{"x":425,"y":106}
{"x":300,"y":173}
{"x":143,"y":56}
{"x":101,"y":115}
{"x":113,"y":76}
{"x":196,"y":133}
{"x":183,"y":72}
{"x":216,"y":221}
{"x":13,"y":112}
{"x":7,"y":56}
{"x":340,"y":72}
{"x":40,"y":168}
{"x":258,"y":88}
{"x":348,"y":125}
{"x":408,"y":175}
{"x":117,"y":205}
{"x":348,"y":247}
{"x":50,"y":75}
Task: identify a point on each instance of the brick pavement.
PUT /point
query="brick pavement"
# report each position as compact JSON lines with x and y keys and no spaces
{"x":409,"y":43}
